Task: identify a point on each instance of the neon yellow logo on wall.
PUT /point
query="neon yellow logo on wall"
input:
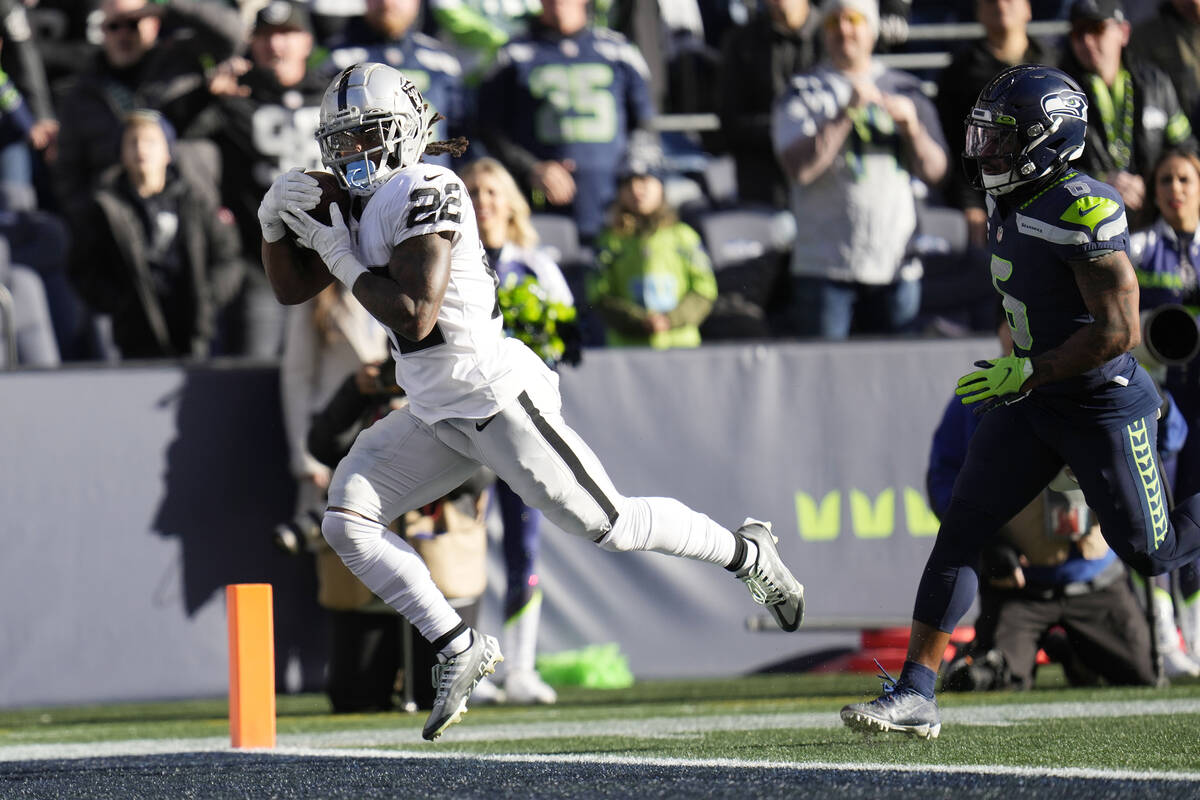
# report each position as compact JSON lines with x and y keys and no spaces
{"x":821,"y":521}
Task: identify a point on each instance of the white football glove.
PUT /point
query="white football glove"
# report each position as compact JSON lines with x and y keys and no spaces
{"x":292,"y":188}
{"x":332,"y":242}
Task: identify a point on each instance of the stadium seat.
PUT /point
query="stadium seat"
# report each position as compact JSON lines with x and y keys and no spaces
{"x":748,"y":247}
{"x":957,"y":297}
{"x":558,"y":235}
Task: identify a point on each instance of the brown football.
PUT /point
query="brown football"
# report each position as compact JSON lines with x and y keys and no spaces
{"x":331,"y":192}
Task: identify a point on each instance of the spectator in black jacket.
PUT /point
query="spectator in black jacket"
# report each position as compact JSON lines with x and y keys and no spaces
{"x":155,"y":250}
{"x":262,"y":117}
{"x":138,"y":68}
{"x":1134,"y":113}
{"x":1005,"y":43}
{"x":757,"y":61}
{"x":1170,"y":40}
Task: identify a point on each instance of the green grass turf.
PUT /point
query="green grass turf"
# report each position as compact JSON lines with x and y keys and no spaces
{"x":1152,"y":742}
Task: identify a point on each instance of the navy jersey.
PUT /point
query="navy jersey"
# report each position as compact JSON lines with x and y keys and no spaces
{"x":571,"y":97}
{"x":1031,"y":244}
{"x":435,"y":71}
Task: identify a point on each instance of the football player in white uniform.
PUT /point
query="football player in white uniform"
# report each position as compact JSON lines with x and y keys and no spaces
{"x":411,"y":255}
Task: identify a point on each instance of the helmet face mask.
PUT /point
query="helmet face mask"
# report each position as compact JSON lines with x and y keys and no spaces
{"x":1028,"y":122}
{"x":373,"y":122}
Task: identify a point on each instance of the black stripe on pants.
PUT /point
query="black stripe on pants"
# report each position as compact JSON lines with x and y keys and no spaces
{"x":569,"y":458}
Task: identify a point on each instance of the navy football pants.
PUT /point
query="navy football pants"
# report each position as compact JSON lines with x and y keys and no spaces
{"x":1013,"y":455}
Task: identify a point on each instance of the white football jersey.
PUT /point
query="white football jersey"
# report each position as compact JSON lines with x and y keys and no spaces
{"x":466,"y":367}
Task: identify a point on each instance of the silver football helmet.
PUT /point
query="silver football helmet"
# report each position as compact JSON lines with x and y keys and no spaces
{"x":373,"y":122}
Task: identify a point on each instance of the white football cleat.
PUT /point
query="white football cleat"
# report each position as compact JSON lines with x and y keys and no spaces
{"x":770,"y":582}
{"x":457,"y":678}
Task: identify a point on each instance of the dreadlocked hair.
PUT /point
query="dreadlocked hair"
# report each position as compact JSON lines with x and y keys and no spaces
{"x":455,"y":147}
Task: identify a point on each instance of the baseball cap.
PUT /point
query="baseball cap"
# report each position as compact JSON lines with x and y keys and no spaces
{"x":869,"y":9}
{"x":283,"y":14}
{"x":1096,"y":11}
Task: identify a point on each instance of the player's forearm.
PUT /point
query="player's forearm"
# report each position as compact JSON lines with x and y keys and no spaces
{"x":1110,"y":291}
{"x":293,"y":279}
{"x":405,"y":314}
{"x":1086,"y":349}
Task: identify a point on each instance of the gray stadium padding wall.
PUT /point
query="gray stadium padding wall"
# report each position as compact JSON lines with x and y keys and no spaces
{"x":132,"y":496}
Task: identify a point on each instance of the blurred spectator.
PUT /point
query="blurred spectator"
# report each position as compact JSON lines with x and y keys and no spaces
{"x":1166,"y":256}
{"x":155,"y":250}
{"x":37,"y":239}
{"x":670,"y":35}
{"x":262,"y":118}
{"x":329,"y":17}
{"x":1170,"y":40}
{"x":21,"y":62}
{"x":66,"y":34}
{"x":557,"y":109}
{"x":477,"y":29}
{"x":386,"y":35}
{"x":24,"y":312}
{"x":1134,"y":111}
{"x":511,"y":245}
{"x":893,"y":24}
{"x":1005,"y":43}
{"x":654,"y":285}
{"x":758,"y":60}
{"x":851,"y":136}
{"x":1048,"y":567}
{"x":137,"y":68}
{"x":328,"y":338}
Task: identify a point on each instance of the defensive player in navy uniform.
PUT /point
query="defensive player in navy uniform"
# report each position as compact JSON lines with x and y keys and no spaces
{"x":412,"y":256}
{"x":557,"y":109}
{"x":1071,"y":393}
{"x":384,"y":34}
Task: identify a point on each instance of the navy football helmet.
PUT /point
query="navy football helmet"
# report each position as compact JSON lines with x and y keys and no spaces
{"x":1028,"y":122}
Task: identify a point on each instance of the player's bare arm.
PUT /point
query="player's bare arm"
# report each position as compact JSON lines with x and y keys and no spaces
{"x":409,"y":297}
{"x":1110,"y":291}
{"x":294,"y":278}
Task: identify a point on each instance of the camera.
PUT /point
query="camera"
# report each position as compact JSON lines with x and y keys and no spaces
{"x":977,"y":673}
{"x":302,"y":533}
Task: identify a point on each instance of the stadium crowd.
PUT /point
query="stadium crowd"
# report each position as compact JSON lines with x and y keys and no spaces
{"x":802,"y":235}
{"x":139,"y":137}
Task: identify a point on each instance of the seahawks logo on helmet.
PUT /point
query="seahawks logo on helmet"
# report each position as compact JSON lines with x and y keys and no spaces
{"x":1065,"y":104}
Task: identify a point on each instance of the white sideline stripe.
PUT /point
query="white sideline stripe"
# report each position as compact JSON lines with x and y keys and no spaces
{"x":1078,"y":773}
{"x":208,"y":745}
{"x":408,"y":734}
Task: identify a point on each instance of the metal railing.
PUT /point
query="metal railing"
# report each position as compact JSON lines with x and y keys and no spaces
{"x":8,"y":327}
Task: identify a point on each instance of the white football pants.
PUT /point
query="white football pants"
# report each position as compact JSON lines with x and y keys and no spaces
{"x":401,"y":463}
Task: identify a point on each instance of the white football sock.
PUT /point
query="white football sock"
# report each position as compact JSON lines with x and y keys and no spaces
{"x":455,"y":646}
{"x":390,"y":568}
{"x":664,"y":525}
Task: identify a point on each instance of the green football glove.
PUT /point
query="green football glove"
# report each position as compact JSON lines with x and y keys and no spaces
{"x":995,"y":378}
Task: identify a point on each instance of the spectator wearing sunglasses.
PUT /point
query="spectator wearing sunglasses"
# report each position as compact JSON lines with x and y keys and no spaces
{"x":138,"y":66}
